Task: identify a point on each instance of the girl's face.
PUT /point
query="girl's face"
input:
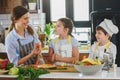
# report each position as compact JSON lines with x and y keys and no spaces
{"x":23,"y":21}
{"x":59,"y":29}
{"x":100,"y":36}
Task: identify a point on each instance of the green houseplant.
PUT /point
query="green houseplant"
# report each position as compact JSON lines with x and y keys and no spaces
{"x":32,"y":1}
{"x":49,"y":30}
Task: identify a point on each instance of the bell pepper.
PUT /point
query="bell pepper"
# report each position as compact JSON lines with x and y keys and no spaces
{"x":3,"y":63}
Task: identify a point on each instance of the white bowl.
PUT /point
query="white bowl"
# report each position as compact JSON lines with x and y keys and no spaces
{"x":89,"y":70}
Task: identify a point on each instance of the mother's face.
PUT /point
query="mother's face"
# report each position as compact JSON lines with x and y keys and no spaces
{"x":23,"y":21}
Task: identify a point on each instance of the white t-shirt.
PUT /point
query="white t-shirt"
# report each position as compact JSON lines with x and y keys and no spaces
{"x":99,"y":52}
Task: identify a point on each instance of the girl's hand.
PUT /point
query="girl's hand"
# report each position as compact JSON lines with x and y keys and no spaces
{"x":57,"y":57}
{"x":53,"y":58}
{"x":38,"y":60}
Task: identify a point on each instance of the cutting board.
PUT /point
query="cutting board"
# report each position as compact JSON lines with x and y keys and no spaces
{"x":53,"y":68}
{"x":65,"y":69}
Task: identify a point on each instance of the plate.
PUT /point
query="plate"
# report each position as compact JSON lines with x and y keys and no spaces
{"x":46,"y":66}
{"x":3,"y":71}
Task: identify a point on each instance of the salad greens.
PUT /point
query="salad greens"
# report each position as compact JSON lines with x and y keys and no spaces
{"x":30,"y":73}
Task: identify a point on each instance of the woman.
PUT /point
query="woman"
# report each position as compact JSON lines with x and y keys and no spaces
{"x":21,"y":39}
{"x":64,"y":49}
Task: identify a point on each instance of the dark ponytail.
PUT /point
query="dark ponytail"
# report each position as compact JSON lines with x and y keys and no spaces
{"x":30,"y":30}
{"x":16,"y":14}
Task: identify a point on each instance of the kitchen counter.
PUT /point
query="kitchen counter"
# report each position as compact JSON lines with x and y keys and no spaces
{"x":101,"y":75}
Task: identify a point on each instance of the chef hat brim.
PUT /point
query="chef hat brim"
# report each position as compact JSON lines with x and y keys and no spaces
{"x":109,"y":27}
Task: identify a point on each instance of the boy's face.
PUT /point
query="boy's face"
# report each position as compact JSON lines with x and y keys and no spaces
{"x":100,"y":36}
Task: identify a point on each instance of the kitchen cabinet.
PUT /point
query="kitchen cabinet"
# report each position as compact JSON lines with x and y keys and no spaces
{"x":7,"y":5}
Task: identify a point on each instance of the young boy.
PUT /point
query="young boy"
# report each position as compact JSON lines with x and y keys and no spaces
{"x":104,"y":49}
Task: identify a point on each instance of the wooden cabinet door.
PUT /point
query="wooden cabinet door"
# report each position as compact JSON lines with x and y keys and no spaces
{"x":7,"y":5}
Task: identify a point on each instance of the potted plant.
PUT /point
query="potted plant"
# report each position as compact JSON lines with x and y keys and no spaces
{"x":32,"y":4}
{"x":49,"y":30}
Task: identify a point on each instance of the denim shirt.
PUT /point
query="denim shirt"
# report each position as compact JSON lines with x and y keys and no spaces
{"x":12,"y":46}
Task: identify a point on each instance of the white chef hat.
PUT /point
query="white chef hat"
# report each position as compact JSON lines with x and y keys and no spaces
{"x":109,"y":27}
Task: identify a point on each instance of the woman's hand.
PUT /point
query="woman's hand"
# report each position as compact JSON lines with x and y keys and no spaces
{"x":37,"y":49}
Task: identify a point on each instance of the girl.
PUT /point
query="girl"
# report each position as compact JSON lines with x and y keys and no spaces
{"x":64,"y":49}
{"x":103,"y":48}
{"x":21,"y":39}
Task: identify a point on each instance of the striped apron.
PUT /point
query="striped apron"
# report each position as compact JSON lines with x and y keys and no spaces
{"x":25,"y":50}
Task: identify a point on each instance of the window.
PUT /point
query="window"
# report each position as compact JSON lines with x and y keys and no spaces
{"x":77,"y":10}
{"x":58,"y":9}
{"x":81,"y":10}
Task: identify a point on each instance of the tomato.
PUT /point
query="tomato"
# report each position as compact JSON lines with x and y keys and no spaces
{"x":88,"y":64}
{"x":37,"y":45}
{"x":3,"y":63}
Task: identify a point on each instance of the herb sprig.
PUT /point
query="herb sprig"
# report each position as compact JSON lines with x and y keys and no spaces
{"x":30,"y":73}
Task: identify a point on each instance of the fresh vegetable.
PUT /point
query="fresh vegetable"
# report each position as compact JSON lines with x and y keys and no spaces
{"x":13,"y":71}
{"x":9,"y":65}
{"x":98,"y":60}
{"x":87,"y":64}
{"x":1,"y":59}
{"x":49,"y":29}
{"x":30,"y":73}
{"x":63,"y":64}
{"x":90,"y":61}
{"x":3,"y":63}
{"x":37,"y":45}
